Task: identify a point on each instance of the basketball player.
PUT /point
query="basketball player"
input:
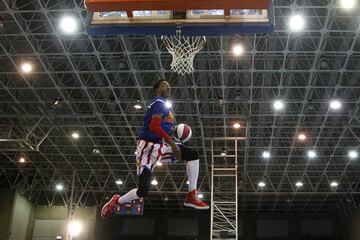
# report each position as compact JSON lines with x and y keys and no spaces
{"x":155,"y":145}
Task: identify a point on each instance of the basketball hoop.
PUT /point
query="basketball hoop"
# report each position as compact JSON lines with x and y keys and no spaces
{"x":183,"y":50}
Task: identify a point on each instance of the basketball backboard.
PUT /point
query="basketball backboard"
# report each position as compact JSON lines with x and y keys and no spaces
{"x":195,"y":17}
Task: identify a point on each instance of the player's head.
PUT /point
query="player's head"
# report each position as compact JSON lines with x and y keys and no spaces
{"x":162,"y":88}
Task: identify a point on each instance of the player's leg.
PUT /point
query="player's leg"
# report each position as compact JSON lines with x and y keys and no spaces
{"x":192,"y":165}
{"x":143,"y":187}
{"x":192,"y":169}
{"x":146,"y":156}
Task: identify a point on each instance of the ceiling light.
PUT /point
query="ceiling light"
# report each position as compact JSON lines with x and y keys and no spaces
{"x":266,"y":154}
{"x":296,"y":23}
{"x":302,"y":137}
{"x":334,"y":184}
{"x":187,"y":182}
{"x":278,"y":105}
{"x":299,"y":184}
{"x":68,"y":24}
{"x":154,"y":182}
{"x":335,"y":105}
{"x":311,"y":154}
{"x":119,"y":182}
{"x":223,"y":152}
{"x":26,"y":67}
{"x":353,"y":154}
{"x":59,"y":187}
{"x":137,"y":106}
{"x":96,"y":151}
{"x":237,"y":50}
{"x":22,"y":160}
{"x":200,"y":195}
{"x":57,"y":102}
{"x":221,"y":101}
{"x":347,"y":4}
{"x":75,"y":135}
{"x":236,"y":125}
{"x":261,"y":184}
{"x":159,"y":164}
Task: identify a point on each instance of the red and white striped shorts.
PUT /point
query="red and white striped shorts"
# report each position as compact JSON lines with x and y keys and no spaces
{"x":149,"y":153}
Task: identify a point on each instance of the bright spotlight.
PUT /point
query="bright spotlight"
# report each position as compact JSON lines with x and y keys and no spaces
{"x":299,"y":184}
{"x":296,"y":23}
{"x":22,"y":160}
{"x":75,"y":228}
{"x":278,"y":105}
{"x":236,"y":125}
{"x":353,"y":154}
{"x":311,"y":154}
{"x":266,"y":154}
{"x":302,"y":137}
{"x":68,"y":24}
{"x":237,"y":50}
{"x":154,"y":182}
{"x":187,"y":182}
{"x":57,"y":102}
{"x":335,"y":105}
{"x":261,"y":184}
{"x":119,"y":182}
{"x":347,"y":4}
{"x":137,"y":106}
{"x":59,"y":187}
{"x":75,"y":135}
{"x":334,"y":184}
{"x":159,"y":164}
{"x":26,"y":67}
{"x":200,"y":195}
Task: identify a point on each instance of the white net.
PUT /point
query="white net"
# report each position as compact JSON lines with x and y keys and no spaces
{"x":183,"y":50}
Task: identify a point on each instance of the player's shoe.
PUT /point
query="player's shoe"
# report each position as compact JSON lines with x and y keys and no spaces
{"x":193,"y":201}
{"x":109,"y":207}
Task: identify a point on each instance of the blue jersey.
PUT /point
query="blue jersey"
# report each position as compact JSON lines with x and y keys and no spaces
{"x":156,"y":107}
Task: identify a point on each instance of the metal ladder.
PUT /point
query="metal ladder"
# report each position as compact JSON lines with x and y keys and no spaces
{"x":224,"y":190}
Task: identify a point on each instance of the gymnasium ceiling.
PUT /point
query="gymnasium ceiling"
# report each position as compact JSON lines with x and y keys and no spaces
{"x":98,"y":80}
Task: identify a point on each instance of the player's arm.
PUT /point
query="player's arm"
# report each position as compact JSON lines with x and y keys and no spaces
{"x":155,"y":127}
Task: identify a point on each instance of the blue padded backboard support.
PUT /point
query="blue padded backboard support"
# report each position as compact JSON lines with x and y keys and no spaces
{"x":186,"y":30}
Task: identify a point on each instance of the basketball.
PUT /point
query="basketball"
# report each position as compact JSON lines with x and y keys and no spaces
{"x":182,"y":132}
